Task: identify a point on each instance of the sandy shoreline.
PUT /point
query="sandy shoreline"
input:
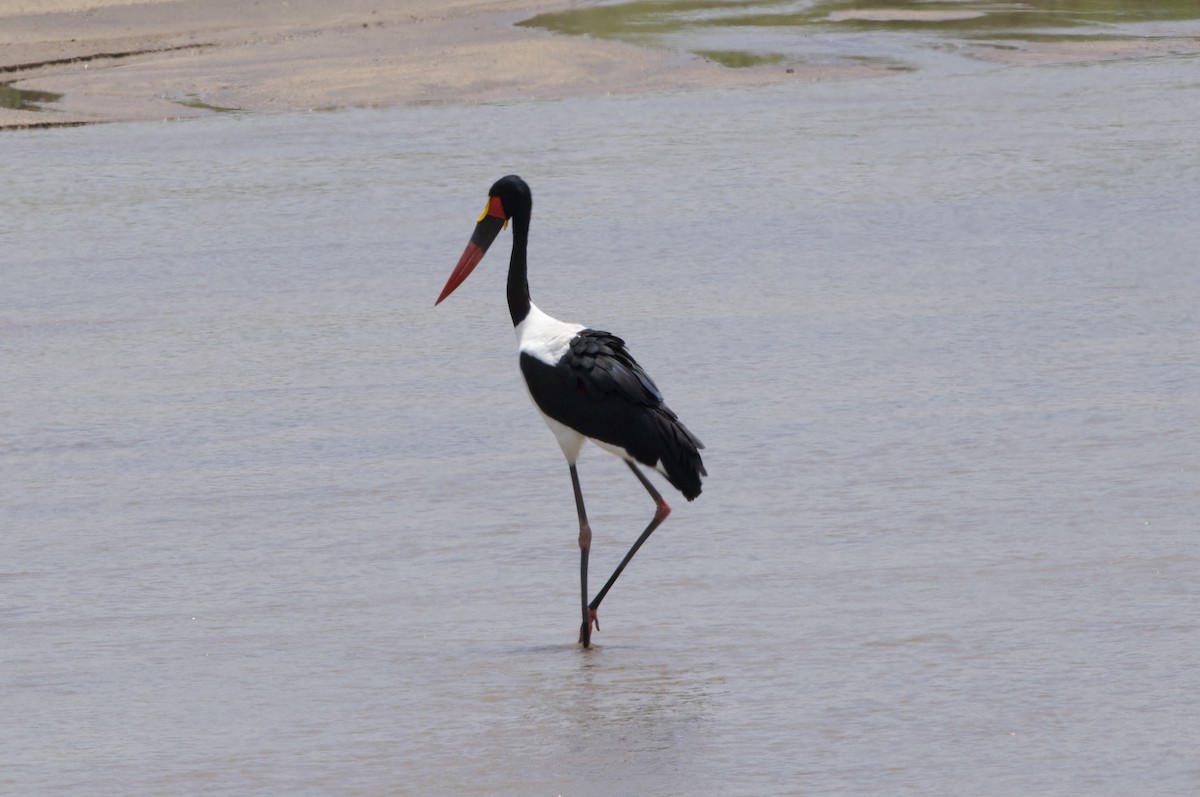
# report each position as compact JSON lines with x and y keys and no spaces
{"x":114,"y":60}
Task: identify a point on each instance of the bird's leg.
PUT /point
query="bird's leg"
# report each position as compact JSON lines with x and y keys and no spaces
{"x":585,"y":544}
{"x":662,"y":509}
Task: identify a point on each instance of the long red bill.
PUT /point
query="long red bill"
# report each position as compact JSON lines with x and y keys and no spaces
{"x":487,"y":228}
{"x":466,"y":264}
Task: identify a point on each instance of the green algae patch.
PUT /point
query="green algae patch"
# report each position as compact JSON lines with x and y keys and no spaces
{"x":740,"y":59}
{"x":192,"y":101}
{"x":25,"y":99}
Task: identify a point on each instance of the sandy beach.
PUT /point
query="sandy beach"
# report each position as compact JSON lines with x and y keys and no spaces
{"x":113,"y":60}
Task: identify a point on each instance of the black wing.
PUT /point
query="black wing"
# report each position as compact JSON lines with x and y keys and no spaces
{"x":598,"y":389}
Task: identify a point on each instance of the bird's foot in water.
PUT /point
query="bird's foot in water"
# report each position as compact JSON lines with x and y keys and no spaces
{"x":585,"y":630}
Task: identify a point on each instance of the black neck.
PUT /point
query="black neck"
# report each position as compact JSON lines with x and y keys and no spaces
{"x":518,"y":281}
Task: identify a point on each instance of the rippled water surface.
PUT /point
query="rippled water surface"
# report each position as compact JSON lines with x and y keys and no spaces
{"x":272,"y":524}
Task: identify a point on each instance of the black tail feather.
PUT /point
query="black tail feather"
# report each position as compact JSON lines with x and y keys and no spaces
{"x":679,"y":453}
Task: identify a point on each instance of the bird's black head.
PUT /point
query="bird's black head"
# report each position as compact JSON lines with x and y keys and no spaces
{"x":509,"y":198}
{"x":513,"y":194}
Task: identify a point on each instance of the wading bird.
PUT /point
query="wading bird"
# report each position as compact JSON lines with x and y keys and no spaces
{"x":586,"y":386}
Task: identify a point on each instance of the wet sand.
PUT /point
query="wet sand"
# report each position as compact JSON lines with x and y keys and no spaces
{"x":162,"y":59}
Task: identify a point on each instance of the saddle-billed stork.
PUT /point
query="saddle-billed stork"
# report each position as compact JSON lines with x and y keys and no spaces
{"x":585,"y":384}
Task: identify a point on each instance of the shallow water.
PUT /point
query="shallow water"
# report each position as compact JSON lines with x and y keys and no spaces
{"x":274,"y":524}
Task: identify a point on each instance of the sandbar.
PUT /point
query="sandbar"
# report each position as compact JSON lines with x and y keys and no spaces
{"x":115,"y":60}
{"x":126,"y":60}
